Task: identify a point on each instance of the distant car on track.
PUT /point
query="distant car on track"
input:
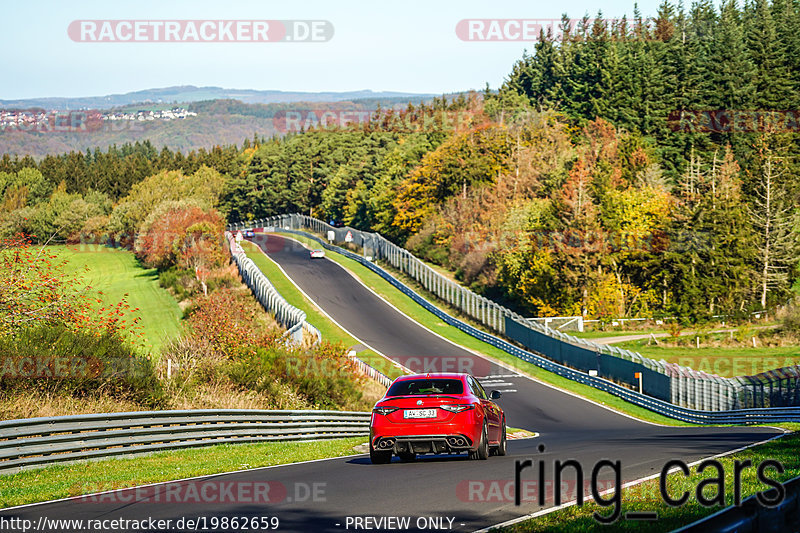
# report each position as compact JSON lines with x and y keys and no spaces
{"x":317,"y":254}
{"x":249,"y":233}
{"x":442,"y":413}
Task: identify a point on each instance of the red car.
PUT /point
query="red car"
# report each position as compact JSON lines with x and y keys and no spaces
{"x":436,"y":413}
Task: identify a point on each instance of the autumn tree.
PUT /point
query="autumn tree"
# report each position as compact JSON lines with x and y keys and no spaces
{"x":182,"y":234}
{"x":467,"y":159}
{"x":204,"y":186}
{"x":578,"y":245}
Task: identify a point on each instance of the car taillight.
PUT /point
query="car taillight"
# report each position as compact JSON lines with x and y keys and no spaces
{"x":456,"y":408}
{"x":385,"y":410}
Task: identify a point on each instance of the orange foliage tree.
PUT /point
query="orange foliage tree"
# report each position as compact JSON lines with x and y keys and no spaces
{"x":188,"y":237}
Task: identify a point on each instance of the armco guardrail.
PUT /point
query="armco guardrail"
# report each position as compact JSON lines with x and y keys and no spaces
{"x":287,"y":315}
{"x":34,"y":442}
{"x":714,"y":414}
{"x":753,"y":517}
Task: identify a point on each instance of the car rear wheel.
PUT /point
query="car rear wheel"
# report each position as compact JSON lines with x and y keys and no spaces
{"x":379,"y":457}
{"x":501,"y":448}
{"x":483,"y":446}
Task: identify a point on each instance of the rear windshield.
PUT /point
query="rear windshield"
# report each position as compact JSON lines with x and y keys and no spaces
{"x":411,"y":387}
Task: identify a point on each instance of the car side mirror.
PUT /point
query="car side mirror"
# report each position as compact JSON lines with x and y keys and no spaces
{"x":495,"y":394}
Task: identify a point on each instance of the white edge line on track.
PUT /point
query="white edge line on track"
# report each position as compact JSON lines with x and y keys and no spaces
{"x":470,"y":350}
{"x":183,"y":479}
{"x":624,"y":486}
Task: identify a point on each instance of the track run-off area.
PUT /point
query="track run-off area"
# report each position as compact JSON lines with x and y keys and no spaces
{"x":434,"y":492}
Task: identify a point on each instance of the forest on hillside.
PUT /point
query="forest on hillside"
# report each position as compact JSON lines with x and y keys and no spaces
{"x":219,"y":122}
{"x":578,"y":187}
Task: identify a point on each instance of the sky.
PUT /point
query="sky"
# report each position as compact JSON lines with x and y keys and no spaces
{"x":408,"y":46}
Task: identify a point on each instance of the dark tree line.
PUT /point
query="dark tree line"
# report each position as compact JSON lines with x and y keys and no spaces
{"x":114,"y":171}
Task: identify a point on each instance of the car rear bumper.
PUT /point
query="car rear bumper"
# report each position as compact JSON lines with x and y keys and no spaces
{"x":454,"y":437}
{"x":425,"y":444}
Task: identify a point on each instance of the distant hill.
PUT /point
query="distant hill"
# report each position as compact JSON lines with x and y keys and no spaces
{"x":190,"y":93}
{"x":218,"y":122}
{"x":202,"y":131}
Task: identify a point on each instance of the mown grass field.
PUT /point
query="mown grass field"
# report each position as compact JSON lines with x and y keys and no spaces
{"x":599,"y":334}
{"x":117,"y":273}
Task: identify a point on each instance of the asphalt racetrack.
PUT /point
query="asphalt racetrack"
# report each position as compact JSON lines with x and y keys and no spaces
{"x":433,"y":493}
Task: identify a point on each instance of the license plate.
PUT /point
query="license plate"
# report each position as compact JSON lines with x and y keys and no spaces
{"x":419,"y":413}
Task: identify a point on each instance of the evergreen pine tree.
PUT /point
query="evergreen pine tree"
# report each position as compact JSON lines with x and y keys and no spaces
{"x":773,"y":86}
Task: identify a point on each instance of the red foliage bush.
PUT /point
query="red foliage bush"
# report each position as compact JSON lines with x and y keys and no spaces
{"x":187,"y":237}
{"x":35,"y":289}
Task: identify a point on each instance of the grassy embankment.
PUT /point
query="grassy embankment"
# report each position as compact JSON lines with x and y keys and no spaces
{"x":117,"y":273}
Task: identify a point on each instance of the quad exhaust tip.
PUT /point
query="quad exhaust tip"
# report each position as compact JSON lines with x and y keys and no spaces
{"x":453,"y":442}
{"x":456,"y":442}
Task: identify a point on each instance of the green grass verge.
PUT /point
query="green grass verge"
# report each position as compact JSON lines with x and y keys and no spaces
{"x":117,"y":273}
{"x":61,"y":481}
{"x":646,"y":496}
{"x":723,"y":361}
{"x":415,"y":311}
{"x":329,"y":330}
